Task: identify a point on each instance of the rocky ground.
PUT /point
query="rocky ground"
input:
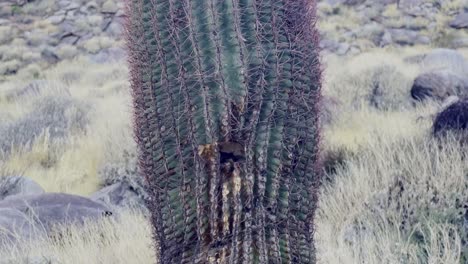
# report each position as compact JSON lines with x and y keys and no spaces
{"x":354,"y":26}
{"x":396,"y":77}
{"x":37,"y":34}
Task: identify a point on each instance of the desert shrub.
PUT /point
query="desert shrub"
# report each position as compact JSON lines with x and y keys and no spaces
{"x":56,"y":115}
{"x":369,"y":80}
{"x":389,"y":194}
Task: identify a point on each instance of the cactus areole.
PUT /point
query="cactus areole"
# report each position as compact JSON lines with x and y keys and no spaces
{"x":226,"y":96}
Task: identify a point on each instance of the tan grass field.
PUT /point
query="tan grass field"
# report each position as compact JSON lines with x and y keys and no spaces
{"x":392,"y":200}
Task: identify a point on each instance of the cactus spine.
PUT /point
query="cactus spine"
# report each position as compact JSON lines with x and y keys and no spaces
{"x":226,"y":97}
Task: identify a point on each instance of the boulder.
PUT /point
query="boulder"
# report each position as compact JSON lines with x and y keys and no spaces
{"x":438,"y":85}
{"x":18,"y":185}
{"x":14,"y":225}
{"x":29,"y":215}
{"x":453,"y":118}
{"x":403,"y":36}
{"x":445,"y":59}
{"x":120,"y":195}
{"x":460,"y":21}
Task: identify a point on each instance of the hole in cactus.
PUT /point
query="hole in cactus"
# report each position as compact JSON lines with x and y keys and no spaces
{"x":231,"y":151}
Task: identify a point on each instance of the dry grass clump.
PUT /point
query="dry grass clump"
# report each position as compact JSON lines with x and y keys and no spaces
{"x":63,"y":131}
{"x":123,"y":240}
{"x":397,"y":195}
{"x":403,"y":199}
{"x":380,"y":79}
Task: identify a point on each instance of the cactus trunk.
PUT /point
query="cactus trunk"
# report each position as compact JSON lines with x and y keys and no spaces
{"x":226,"y":96}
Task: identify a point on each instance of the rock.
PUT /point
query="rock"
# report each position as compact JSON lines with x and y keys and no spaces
{"x":449,"y":101}
{"x":49,"y":55}
{"x":454,"y":118}
{"x":342,"y":48}
{"x":447,"y":59}
{"x":408,"y":37}
{"x":109,"y":7}
{"x":460,"y":21}
{"x":438,"y":86}
{"x":69,"y":39}
{"x":14,"y":225}
{"x":56,"y":19}
{"x":115,"y":27}
{"x":386,"y":39}
{"x":108,"y":55}
{"x":120,"y":195}
{"x":31,"y":215}
{"x":18,"y":185}
{"x":460,"y":43}
{"x":329,"y":44}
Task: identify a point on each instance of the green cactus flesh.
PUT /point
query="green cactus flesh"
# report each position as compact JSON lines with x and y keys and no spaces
{"x":226,"y":96}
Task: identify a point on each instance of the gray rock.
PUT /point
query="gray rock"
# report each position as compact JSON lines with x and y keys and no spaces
{"x":329,"y":44}
{"x":115,"y":27}
{"x":342,"y":48}
{"x":56,"y":19}
{"x":17,"y":185}
{"x":445,"y":59}
{"x":386,"y":39}
{"x":49,"y":55}
{"x":30,"y":215}
{"x":438,"y":86}
{"x":460,"y":43}
{"x":70,"y":39}
{"x":453,"y":118}
{"x":109,"y":7}
{"x":460,"y":21}
{"x":408,"y":37}
{"x":108,"y":55}
{"x":14,"y":225}
{"x":120,"y":195}
{"x":72,"y":6}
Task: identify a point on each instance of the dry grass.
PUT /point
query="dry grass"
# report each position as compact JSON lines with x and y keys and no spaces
{"x":127,"y":240}
{"x":71,"y":164}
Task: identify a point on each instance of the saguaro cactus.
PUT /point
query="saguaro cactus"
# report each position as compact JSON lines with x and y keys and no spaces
{"x":226,"y":99}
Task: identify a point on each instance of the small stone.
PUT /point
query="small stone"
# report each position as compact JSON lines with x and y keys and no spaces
{"x":109,"y":7}
{"x":120,"y":195}
{"x":56,"y":19}
{"x":460,"y":21}
{"x":343,"y":48}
